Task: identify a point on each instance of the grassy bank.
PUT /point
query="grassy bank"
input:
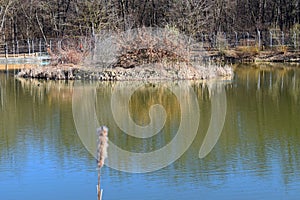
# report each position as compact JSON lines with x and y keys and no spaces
{"x":254,"y":54}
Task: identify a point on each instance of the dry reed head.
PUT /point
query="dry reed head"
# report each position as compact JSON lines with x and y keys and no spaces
{"x":102,"y":133}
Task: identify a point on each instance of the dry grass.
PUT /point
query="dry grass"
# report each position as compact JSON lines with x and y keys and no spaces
{"x":247,"y":51}
{"x":282,"y":49}
{"x":71,"y":56}
{"x":70,"y":52}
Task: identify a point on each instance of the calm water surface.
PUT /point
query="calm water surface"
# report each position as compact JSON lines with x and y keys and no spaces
{"x":256,"y":157}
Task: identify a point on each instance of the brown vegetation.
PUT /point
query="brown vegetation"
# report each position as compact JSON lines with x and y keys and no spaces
{"x":144,"y":46}
{"x":72,"y":53}
{"x":247,"y":51}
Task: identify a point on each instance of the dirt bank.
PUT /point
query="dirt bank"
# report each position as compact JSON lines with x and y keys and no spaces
{"x":252,"y":54}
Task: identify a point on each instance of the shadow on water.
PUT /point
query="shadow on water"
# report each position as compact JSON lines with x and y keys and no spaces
{"x":258,"y":145}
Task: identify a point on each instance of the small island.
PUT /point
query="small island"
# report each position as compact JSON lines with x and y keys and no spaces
{"x":144,"y":54}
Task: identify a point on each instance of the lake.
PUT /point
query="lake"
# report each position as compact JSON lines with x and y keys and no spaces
{"x":220,"y":139}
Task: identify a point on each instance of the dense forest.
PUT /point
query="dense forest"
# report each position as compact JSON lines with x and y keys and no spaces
{"x":60,"y":18}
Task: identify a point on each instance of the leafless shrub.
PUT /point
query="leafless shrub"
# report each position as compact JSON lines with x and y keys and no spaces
{"x":69,"y":52}
{"x":145,"y":46}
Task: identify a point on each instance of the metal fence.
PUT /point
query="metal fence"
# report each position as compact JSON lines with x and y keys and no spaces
{"x":22,"y":47}
{"x":213,"y":41}
{"x":39,"y":47}
{"x":261,"y":39}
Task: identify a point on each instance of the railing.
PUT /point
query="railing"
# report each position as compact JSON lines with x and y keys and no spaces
{"x":213,"y":41}
{"x":39,"y":47}
{"x":18,"y":48}
{"x":261,"y":39}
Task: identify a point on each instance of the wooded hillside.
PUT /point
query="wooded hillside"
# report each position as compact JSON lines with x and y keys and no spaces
{"x":60,"y":18}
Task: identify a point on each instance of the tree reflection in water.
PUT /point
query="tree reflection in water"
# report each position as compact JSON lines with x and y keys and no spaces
{"x":259,"y":141}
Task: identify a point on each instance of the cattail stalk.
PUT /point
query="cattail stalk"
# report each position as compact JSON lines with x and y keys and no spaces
{"x":102,"y":142}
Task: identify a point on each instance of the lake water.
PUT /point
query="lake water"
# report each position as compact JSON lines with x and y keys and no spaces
{"x":46,"y":145}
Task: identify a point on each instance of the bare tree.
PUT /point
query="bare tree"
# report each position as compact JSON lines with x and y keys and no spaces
{"x":65,"y":18}
{"x":5,"y":6}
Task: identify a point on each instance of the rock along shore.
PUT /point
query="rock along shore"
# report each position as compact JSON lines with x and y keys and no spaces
{"x":70,"y":72}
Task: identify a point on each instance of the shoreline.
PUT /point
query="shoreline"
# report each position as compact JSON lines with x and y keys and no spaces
{"x":251,"y":54}
{"x":168,"y":71}
{"x":154,"y":72}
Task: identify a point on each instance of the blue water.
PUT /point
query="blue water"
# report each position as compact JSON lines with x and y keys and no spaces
{"x":256,"y":157}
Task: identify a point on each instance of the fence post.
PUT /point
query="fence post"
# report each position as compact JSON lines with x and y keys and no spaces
{"x":248,"y":36}
{"x":295,"y":40}
{"x":32,"y":44}
{"x":236,"y":38}
{"x":225,"y":40}
{"x":271,"y":40}
{"x":18,"y":51}
{"x":6,"y":50}
{"x":40,"y":47}
{"x":28,"y":42}
{"x":259,"y":39}
{"x":14,"y":51}
{"x":282,"y":38}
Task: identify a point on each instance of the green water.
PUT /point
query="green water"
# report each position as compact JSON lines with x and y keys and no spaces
{"x":256,"y":155}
